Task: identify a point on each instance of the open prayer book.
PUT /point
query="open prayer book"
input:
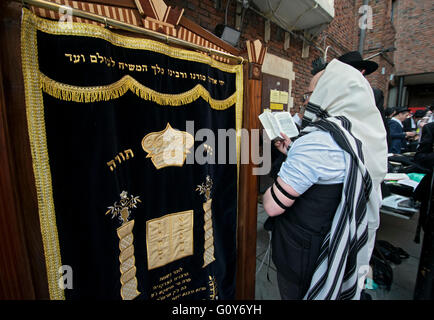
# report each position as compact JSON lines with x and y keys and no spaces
{"x":276,"y":122}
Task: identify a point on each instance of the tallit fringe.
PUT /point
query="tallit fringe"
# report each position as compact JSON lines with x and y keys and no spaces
{"x":78,"y":94}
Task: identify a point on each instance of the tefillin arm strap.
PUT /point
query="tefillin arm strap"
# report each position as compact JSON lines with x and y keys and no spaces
{"x":283,"y":191}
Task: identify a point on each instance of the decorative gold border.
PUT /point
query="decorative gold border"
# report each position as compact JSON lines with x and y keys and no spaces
{"x":36,"y":122}
{"x":117,"y":89}
{"x":94,"y":31}
{"x":38,"y":145}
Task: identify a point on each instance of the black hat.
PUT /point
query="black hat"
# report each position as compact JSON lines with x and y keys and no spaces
{"x":354,"y":59}
{"x":420,"y":113}
{"x":318,"y":65}
{"x":401,"y":109}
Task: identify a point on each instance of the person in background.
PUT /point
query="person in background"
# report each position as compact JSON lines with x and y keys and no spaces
{"x":421,"y":119}
{"x":409,"y":124}
{"x":379,"y":102}
{"x":421,"y":123}
{"x":430,"y":111}
{"x":419,"y":115}
{"x":397,"y":135}
{"x":425,"y":151}
{"x":424,"y":289}
{"x":412,"y":124}
{"x":389,"y":112}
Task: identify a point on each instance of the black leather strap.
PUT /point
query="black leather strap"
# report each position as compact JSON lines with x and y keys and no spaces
{"x":280,"y":204}
{"x":284,"y":192}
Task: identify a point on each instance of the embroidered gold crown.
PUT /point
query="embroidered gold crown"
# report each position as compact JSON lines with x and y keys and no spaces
{"x":168,"y":147}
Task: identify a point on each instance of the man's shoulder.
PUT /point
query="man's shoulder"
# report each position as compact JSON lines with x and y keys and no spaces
{"x":316,"y":140}
{"x":317,"y":135}
{"x":393,"y":121}
{"x":394,"y":124}
{"x":429,"y":126}
{"x":428,"y":129}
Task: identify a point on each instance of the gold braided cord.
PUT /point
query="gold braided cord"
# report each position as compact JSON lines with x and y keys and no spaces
{"x":117,"y":89}
{"x":41,"y":166}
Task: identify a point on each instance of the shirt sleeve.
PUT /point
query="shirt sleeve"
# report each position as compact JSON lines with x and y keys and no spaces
{"x":313,"y":159}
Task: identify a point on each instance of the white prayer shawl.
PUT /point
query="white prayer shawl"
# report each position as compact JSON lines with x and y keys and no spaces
{"x":343,"y":104}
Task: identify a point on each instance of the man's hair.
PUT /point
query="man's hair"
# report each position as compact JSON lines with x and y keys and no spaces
{"x":389,"y":111}
{"x":318,"y":65}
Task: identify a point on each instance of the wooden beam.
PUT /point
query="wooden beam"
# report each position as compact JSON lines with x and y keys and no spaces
{"x":15,"y":276}
{"x":116,"y":3}
{"x":248,"y":183}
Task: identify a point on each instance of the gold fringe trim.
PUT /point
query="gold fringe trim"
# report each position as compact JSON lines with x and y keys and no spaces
{"x":115,"y":90}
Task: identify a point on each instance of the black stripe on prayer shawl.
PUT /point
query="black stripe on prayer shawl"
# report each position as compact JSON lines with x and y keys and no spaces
{"x":343,"y":142}
{"x":347,"y":125}
{"x":360,"y":204}
{"x":334,"y":247}
{"x":347,"y":254}
{"x":355,"y":243}
{"x":317,"y":111}
{"x":349,"y":293}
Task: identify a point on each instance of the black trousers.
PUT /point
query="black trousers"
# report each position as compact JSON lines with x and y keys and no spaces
{"x":289,"y":290}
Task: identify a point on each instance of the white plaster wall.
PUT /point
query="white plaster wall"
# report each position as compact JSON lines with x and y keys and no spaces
{"x":280,"y":67}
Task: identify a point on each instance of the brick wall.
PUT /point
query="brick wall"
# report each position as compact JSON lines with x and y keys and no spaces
{"x":381,"y":36}
{"x":415,"y":34}
{"x":342,"y":35}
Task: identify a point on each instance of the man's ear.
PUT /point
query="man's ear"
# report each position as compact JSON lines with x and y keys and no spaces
{"x":363,"y":71}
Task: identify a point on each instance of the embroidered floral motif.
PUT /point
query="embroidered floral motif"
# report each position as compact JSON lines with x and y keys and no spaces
{"x":127,"y":260}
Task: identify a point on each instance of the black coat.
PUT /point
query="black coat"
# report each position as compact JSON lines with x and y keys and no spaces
{"x":397,"y":137}
{"x":407,"y":125}
{"x":425,"y":151}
